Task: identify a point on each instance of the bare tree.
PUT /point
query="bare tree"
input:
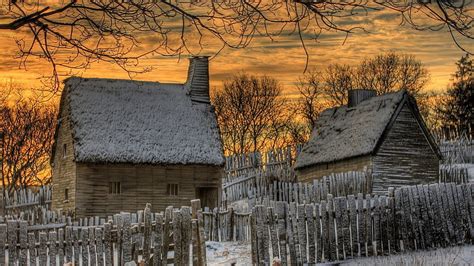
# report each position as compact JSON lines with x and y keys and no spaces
{"x":72,"y":34}
{"x":28,"y":126}
{"x":383,"y":73}
{"x":457,"y":106}
{"x":338,"y":80}
{"x":310,"y":104}
{"x":250,"y":112}
{"x":392,"y":72}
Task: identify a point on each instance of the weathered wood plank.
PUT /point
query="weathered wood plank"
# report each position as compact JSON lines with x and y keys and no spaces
{"x":23,"y":241}
{"x":42,"y":250}
{"x":32,"y":248}
{"x":302,"y":233}
{"x":281,"y":212}
{"x":52,"y":247}
{"x":309,"y":211}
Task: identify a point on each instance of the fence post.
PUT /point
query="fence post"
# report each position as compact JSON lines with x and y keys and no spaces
{"x":147,"y":234}
{"x":3,"y":237}
{"x":126,"y":238}
{"x":186,"y":236}
{"x":253,"y":236}
{"x":166,"y":234}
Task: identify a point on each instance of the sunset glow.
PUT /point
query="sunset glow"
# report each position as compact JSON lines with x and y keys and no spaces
{"x":282,"y":58}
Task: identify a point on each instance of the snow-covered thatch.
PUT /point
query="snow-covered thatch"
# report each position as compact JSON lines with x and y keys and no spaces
{"x":124,"y":121}
{"x":346,"y":132}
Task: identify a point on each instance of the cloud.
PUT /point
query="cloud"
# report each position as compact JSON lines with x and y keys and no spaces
{"x":283,"y":58}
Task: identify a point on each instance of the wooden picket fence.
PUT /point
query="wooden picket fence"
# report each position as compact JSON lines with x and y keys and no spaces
{"x":271,"y":163}
{"x":26,"y":199}
{"x":175,"y":236}
{"x":456,"y":147}
{"x":458,"y":175}
{"x":408,"y":218}
{"x":226,"y":225}
{"x":260,"y":187}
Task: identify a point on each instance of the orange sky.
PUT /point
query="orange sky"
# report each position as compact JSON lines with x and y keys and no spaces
{"x":283,"y":59}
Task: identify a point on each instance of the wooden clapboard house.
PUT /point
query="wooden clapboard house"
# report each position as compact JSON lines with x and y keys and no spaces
{"x":385,"y":135}
{"x":120,"y":144}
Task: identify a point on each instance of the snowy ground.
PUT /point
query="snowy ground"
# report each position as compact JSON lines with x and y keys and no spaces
{"x":226,"y":253}
{"x":462,"y":255}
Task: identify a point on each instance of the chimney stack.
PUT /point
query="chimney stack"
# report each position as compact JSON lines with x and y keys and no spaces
{"x":197,"y":84}
{"x":357,"y":96}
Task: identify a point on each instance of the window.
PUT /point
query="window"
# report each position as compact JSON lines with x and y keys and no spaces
{"x":64,"y":150}
{"x":66,"y":194}
{"x":172,"y":189}
{"x":115,"y":188}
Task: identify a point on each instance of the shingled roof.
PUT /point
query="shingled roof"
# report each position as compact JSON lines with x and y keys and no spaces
{"x":124,"y":121}
{"x":345,"y":132}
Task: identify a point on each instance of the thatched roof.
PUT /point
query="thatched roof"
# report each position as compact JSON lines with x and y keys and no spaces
{"x":124,"y":121}
{"x":346,"y":132}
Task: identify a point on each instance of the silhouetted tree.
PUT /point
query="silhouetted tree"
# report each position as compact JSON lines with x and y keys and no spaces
{"x":338,"y":80}
{"x":28,"y":126}
{"x":458,"y":106}
{"x":250,"y":112}
{"x":392,"y":72}
{"x":383,"y":73}
{"x":311,"y":103}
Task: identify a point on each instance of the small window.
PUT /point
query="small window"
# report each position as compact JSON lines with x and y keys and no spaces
{"x":115,"y":188}
{"x":64,"y":150}
{"x":66,"y":194}
{"x":172,"y":189}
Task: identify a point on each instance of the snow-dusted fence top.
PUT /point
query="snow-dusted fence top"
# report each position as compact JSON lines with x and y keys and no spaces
{"x":408,"y":218}
{"x":258,"y":188}
{"x":156,"y":238}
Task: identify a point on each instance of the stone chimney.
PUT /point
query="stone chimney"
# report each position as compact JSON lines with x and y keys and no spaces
{"x":197,"y":84}
{"x":359,"y":95}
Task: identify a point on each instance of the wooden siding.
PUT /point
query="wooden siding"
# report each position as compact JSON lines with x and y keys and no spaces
{"x":140,"y":184}
{"x":405,"y":156}
{"x":64,"y":167}
{"x":316,"y":172}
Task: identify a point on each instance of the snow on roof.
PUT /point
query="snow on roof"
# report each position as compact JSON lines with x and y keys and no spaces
{"x":345,"y":132}
{"x":124,"y":121}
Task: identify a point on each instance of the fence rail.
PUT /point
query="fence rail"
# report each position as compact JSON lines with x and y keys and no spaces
{"x":409,"y":218}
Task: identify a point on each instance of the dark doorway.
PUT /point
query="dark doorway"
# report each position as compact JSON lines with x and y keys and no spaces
{"x":208,"y":196}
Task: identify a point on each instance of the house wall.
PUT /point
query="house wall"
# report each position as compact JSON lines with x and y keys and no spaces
{"x":140,"y":184}
{"x":405,"y":156}
{"x":64,"y":167}
{"x":315,"y":172}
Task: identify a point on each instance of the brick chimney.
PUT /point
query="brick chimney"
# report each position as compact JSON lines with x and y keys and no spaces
{"x":357,"y":96}
{"x":197,"y":84}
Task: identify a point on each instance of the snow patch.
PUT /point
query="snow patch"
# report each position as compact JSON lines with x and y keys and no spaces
{"x":226,"y":253}
{"x":461,"y":255}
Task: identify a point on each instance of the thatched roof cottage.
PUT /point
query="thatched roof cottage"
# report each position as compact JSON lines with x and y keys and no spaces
{"x":382,"y":134}
{"x":121,"y":144}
